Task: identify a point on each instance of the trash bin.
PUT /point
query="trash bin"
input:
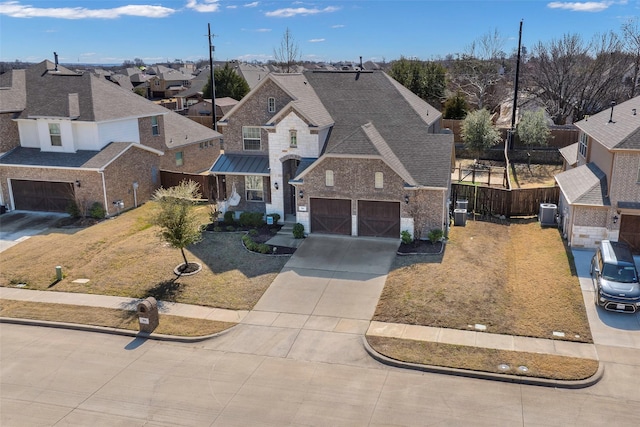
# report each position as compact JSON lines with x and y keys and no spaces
{"x":459,"y":217}
{"x":148,"y":314}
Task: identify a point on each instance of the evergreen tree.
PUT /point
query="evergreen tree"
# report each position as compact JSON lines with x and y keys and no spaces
{"x":228,"y":83}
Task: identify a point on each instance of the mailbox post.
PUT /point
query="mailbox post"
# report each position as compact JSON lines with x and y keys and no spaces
{"x":148,"y":315}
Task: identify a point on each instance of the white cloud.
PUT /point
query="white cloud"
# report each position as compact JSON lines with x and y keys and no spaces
{"x":253,"y":4}
{"x":587,"y":6}
{"x":15,"y":9}
{"x":232,"y":7}
{"x":255,"y":57}
{"x":338,"y":26}
{"x":203,"y":5}
{"x":316,"y":40}
{"x":257,"y":30}
{"x":88,"y":54}
{"x":290,"y":11}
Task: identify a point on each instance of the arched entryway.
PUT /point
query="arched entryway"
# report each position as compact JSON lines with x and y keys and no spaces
{"x":289,"y":169}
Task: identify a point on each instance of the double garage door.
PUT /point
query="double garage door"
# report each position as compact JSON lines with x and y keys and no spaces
{"x":42,"y":195}
{"x":376,"y":219}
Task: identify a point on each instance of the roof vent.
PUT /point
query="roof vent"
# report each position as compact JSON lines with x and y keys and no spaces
{"x":613,"y":104}
{"x":55,"y":56}
{"x":633,"y":111}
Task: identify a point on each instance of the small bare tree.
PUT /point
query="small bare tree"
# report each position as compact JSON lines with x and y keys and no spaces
{"x":631,"y":38}
{"x":288,"y":54}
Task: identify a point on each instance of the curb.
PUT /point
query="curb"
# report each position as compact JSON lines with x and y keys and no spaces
{"x":112,"y":331}
{"x":543,"y":382}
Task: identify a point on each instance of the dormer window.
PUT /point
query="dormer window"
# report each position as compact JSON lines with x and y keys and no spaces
{"x":271,"y":104}
{"x":293,"y":138}
{"x":582,"y":146}
{"x":54,"y":135}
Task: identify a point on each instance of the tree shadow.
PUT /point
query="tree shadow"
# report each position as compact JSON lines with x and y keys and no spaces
{"x":167,"y":290}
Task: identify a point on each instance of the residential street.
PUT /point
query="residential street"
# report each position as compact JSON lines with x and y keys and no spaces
{"x":276,"y":369}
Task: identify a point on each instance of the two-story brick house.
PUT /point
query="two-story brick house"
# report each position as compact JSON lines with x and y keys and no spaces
{"x":600,"y":196}
{"x":71,"y":136}
{"x":351,"y":153}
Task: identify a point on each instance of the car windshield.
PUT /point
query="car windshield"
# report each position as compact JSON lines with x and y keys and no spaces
{"x":621,"y":274}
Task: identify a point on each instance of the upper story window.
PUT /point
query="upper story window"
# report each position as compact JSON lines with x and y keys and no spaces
{"x":157,"y":82}
{"x":638,"y":174}
{"x":328,"y":178}
{"x":54,"y":135}
{"x":582,"y":145}
{"x":379,"y":180}
{"x":155,"y":130}
{"x":179,"y":158}
{"x":271,"y":103}
{"x":254,"y":190}
{"x":251,"y":137}
{"x":293,"y":138}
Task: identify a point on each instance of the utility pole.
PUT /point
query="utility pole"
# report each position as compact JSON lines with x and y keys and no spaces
{"x":213,"y":83}
{"x":515,"y":91}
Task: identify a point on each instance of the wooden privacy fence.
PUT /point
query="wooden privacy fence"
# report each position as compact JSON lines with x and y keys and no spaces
{"x":499,"y":201}
{"x":207,"y":184}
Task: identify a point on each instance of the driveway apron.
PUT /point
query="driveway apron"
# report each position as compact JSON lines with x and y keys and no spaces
{"x":319,"y":307}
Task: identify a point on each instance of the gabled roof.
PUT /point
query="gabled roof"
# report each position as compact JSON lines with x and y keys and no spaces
{"x":570,"y":153}
{"x":622,"y":132}
{"x":305,"y":99}
{"x":584,"y":185}
{"x":84,"y":97}
{"x":401,"y":120}
{"x":82,"y":159}
{"x":179,"y":130}
{"x":13,"y":96}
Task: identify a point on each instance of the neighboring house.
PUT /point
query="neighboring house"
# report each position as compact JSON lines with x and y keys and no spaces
{"x":203,"y":110}
{"x":352,"y":153}
{"x":193,"y":95}
{"x":166,"y":82}
{"x":600,"y":193}
{"x":70,"y":136}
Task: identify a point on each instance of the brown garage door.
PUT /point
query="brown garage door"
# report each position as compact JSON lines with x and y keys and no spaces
{"x":42,"y":195}
{"x":378,"y":219}
{"x":331,"y":216}
{"x":630,"y":231}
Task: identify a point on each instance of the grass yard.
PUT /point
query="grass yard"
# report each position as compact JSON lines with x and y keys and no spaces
{"x":515,"y":279}
{"x":109,"y":318}
{"x":124,"y":256}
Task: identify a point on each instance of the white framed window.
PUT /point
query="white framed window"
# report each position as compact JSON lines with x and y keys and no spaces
{"x":582,"y":145}
{"x":155,"y":130}
{"x":179,"y":158}
{"x":253,"y":186}
{"x":328,"y":178}
{"x":379,"y":180}
{"x":293,"y":138}
{"x":271,"y":104}
{"x":157,"y":82}
{"x":54,"y":135}
{"x":251,"y":138}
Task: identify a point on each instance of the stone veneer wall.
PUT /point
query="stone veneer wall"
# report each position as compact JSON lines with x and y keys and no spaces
{"x":9,"y":134}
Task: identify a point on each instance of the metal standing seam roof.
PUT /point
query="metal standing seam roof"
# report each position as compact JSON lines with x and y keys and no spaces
{"x":240,"y":164}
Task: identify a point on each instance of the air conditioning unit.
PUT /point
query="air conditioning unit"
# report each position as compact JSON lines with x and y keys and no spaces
{"x":547,"y":214}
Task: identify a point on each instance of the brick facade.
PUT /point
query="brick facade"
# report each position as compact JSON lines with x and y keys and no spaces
{"x":253,"y":112}
{"x":9,"y":134}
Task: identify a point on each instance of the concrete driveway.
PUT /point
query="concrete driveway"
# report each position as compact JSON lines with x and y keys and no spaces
{"x":608,"y":328}
{"x":17,"y":226}
{"x":319,"y":307}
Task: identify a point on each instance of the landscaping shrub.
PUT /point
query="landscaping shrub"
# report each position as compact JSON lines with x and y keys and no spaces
{"x":97,"y":211}
{"x":253,"y":232}
{"x":276,"y":217}
{"x":435,"y":235}
{"x":229,"y":218}
{"x":231,"y":228}
{"x":251,"y":219}
{"x":217,"y":229}
{"x":73,"y":209}
{"x":263,"y":248}
{"x":298,"y":231}
{"x":405,"y":236}
{"x":214,"y":213}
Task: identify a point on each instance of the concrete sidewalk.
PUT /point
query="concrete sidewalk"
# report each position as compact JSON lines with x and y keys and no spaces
{"x":412,"y":332}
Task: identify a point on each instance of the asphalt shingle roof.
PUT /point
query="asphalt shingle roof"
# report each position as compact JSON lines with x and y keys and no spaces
{"x":584,"y":185}
{"x":570,"y":153}
{"x":305,"y":98}
{"x":355,"y":99}
{"x":13,"y":97}
{"x":623,"y":132}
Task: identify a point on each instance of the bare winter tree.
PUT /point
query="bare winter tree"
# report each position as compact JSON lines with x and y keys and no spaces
{"x":574,"y":78}
{"x":477,"y":72}
{"x":631,"y":37}
{"x":288,"y":53}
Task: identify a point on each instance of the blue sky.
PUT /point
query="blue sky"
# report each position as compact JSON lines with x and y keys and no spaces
{"x":112,"y":31}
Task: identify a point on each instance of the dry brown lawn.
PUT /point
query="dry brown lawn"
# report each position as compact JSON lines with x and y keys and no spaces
{"x":515,"y":279}
{"x":485,"y":359}
{"x":124,"y":256}
{"x":109,"y":318}
{"x":524,"y":176}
